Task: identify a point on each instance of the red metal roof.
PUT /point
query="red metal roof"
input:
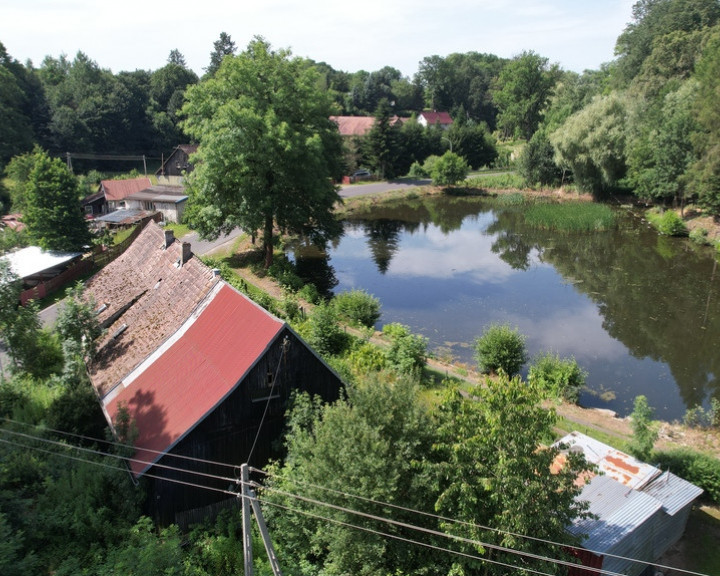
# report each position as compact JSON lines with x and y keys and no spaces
{"x":177,"y":389}
{"x":116,"y":190}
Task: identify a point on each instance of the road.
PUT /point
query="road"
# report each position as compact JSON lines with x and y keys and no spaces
{"x":205,"y":247}
{"x":351,"y":190}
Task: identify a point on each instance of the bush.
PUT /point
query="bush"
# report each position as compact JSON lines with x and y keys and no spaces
{"x":645,"y":430}
{"x":561,"y":377}
{"x":417,"y":170}
{"x":325,"y":334}
{"x":366,"y":358}
{"x":667,"y":222}
{"x":699,"y":236}
{"x":358,"y":307}
{"x":701,"y":469}
{"x":449,"y":169}
{"x":500,"y":348}
{"x":407,"y":352}
{"x":310,"y":293}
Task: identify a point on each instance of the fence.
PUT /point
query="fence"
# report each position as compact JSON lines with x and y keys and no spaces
{"x":100,"y":257}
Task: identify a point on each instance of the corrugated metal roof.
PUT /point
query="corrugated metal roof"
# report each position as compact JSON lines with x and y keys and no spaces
{"x":616,"y":464}
{"x":33,"y":260}
{"x":123,"y":216}
{"x":171,"y":194}
{"x":180,"y":384}
{"x":673,"y":492}
{"x":620,"y":511}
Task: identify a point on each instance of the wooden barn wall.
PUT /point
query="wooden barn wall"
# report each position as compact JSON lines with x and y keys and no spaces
{"x":227,"y":434}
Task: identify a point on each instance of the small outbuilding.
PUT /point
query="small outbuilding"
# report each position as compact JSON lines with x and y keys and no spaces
{"x":638,"y":510}
{"x":168,"y":200}
{"x":203,"y":372}
{"x":177,"y":165}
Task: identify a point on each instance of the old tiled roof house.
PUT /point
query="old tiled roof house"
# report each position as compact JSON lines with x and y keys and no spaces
{"x":198,"y":366}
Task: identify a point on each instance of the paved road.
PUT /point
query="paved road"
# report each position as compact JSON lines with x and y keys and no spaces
{"x":205,"y":247}
{"x":350,"y":190}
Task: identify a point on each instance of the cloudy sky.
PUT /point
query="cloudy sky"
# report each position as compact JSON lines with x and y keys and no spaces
{"x":347,"y":34}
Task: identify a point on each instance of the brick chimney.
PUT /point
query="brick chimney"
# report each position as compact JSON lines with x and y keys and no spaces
{"x":169,"y":238}
{"x":186,"y":252}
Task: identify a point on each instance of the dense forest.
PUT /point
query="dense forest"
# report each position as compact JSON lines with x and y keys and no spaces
{"x":646,"y":123}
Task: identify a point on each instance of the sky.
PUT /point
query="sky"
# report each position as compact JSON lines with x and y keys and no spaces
{"x":348,"y":35}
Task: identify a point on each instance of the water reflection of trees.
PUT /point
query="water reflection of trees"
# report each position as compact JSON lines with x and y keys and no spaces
{"x":657,"y":295}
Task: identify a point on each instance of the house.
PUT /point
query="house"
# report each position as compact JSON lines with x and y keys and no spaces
{"x":168,"y":200}
{"x":176,"y":165}
{"x":203,"y":372}
{"x":639,"y":510}
{"x":360,"y":125}
{"x":111,"y":195}
{"x":12,"y":222}
{"x":433,"y":118}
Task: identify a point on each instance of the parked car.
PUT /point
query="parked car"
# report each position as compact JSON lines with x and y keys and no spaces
{"x":361,"y":174}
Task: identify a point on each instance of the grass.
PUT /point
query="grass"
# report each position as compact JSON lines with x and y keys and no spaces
{"x":700,"y":542}
{"x":570,"y":216}
{"x":502,"y":181}
{"x":122,"y":235}
{"x":179,"y":230}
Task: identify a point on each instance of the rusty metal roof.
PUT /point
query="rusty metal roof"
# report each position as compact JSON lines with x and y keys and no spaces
{"x":190,"y":374}
{"x":622,"y":467}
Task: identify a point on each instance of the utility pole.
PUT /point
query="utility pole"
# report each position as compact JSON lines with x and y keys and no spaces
{"x":249,"y":500}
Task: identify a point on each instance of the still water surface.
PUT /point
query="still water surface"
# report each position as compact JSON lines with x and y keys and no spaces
{"x":639,"y":312}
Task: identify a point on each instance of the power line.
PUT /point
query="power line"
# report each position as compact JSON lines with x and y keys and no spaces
{"x":320,"y":503}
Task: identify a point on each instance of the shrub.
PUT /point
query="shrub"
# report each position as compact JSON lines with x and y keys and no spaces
{"x":701,"y":469}
{"x":325,"y":334}
{"x":570,"y":216}
{"x":310,"y":293}
{"x":449,"y":169}
{"x":284,"y":272}
{"x":667,"y":222}
{"x":500,"y":348}
{"x":699,"y":236}
{"x":645,"y":430}
{"x":366,"y":358}
{"x":408,"y":351}
{"x":561,"y":377}
{"x":358,"y":307}
{"x":417,"y":170}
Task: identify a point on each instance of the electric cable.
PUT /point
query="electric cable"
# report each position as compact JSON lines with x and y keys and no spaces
{"x":317,"y":502}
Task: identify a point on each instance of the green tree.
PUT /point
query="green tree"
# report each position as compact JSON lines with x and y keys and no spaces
{"x":449,"y":169}
{"x":16,"y":134}
{"x":52,"y":215}
{"x":77,"y":321}
{"x":373,"y":445}
{"x":500,"y":348}
{"x":473,"y":142}
{"x":523,"y":90}
{"x":407,"y":352}
{"x":492,"y":471}
{"x":591,"y":143}
{"x":705,"y":180}
{"x":561,"y":377}
{"x":381,"y":145}
{"x":223,"y":46}
{"x":536,"y":163}
{"x":268,"y":149}
{"x":645,"y":430}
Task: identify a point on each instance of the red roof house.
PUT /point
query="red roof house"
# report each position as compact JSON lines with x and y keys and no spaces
{"x":203,"y":371}
{"x":112,"y":194}
{"x":433,"y":118}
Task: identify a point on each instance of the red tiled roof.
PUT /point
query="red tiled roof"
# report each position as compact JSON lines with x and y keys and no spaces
{"x":153,"y":296}
{"x":192,"y":375}
{"x":442,"y":118}
{"x":12,"y":221}
{"x":353,"y":125}
{"x":116,"y":190}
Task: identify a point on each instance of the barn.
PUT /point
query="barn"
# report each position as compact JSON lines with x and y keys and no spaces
{"x":203,"y":372}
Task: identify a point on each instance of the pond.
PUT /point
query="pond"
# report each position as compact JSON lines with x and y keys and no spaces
{"x":640,"y":312}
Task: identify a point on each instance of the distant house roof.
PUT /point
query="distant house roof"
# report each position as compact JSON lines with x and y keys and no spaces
{"x":217,"y":345}
{"x":116,"y":190}
{"x":169,"y":194}
{"x":124,"y":217}
{"x":432,"y":117}
{"x":33,"y":261}
{"x":359,"y":125}
{"x":12,"y":221}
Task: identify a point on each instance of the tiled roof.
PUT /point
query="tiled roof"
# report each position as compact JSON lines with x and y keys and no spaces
{"x":116,"y":190}
{"x":145,"y":290}
{"x":442,"y":118}
{"x":216,"y":346}
{"x":353,"y":125}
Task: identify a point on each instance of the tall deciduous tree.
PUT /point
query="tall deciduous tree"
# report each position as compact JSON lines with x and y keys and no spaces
{"x":524,"y":88}
{"x":52,"y":214}
{"x":492,"y":471}
{"x":268,"y":150}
